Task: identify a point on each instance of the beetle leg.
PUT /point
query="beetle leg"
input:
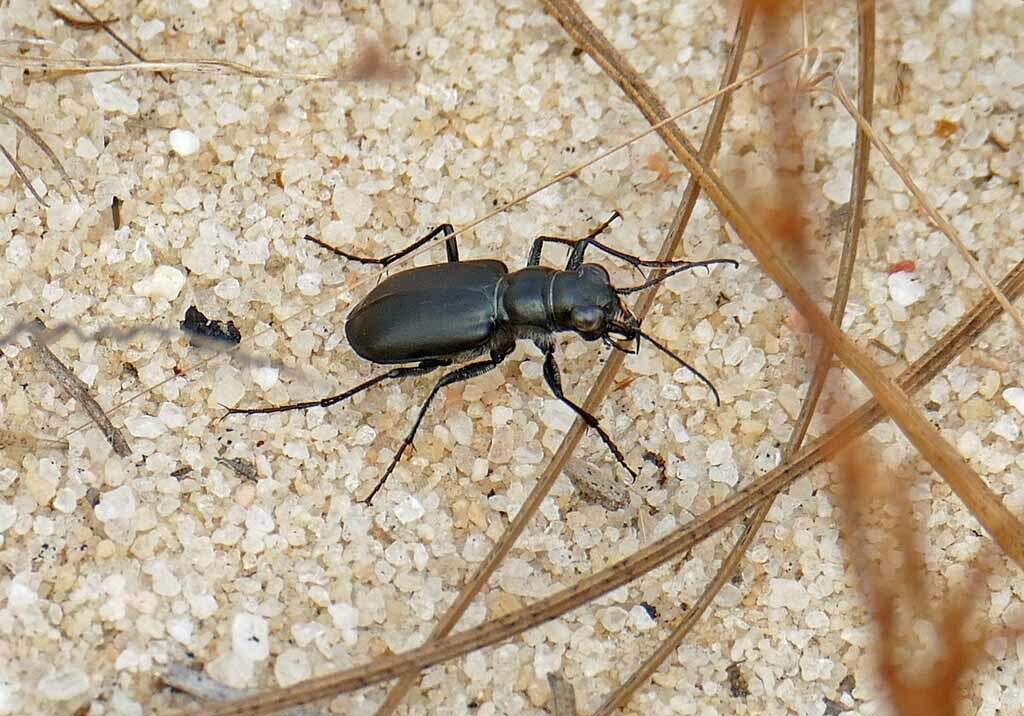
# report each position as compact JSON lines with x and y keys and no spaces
{"x":636,"y":262}
{"x":674,"y":267}
{"x":471,"y":370}
{"x":451,"y":247}
{"x":538,"y":246}
{"x":578,"y":245}
{"x":402,"y":372}
{"x":451,"y":244}
{"x":554,"y":381}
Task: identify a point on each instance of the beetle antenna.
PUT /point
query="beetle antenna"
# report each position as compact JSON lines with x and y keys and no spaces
{"x":673,"y":356}
{"x":683,"y":266}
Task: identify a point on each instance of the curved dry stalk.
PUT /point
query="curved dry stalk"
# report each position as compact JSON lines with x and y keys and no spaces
{"x":594,"y":42}
{"x":847,"y":261}
{"x":953,"y":342}
{"x":369,"y":65}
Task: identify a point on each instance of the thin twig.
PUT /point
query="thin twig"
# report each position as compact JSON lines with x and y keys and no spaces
{"x":105,"y":26}
{"x":939,"y":220}
{"x":24,"y":177}
{"x":12,"y":438}
{"x":182,"y":677}
{"x":80,"y":391}
{"x":38,"y":141}
{"x":80,"y":66}
{"x":684,"y":538}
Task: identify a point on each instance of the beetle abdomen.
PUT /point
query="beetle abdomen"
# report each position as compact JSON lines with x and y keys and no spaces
{"x":427,"y":312}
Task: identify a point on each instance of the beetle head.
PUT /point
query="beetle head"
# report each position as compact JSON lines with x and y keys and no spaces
{"x":585,"y":302}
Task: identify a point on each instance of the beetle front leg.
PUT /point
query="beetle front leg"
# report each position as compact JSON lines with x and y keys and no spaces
{"x":578,"y":245}
{"x":538,"y":247}
{"x":450,"y":244}
{"x":554,"y":381}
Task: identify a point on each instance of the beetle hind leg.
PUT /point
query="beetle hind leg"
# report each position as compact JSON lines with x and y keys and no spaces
{"x":463,"y":373}
{"x":426,"y":366}
{"x":450,"y":244}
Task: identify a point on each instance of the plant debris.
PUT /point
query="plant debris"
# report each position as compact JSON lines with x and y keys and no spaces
{"x":199,"y":325}
{"x":79,"y":391}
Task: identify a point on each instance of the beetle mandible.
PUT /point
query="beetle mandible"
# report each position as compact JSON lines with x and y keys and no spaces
{"x":439,"y":315}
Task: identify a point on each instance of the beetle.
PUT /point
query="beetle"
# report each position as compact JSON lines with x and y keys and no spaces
{"x":440,"y":315}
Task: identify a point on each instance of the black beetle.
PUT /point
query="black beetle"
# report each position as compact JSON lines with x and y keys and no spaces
{"x":442,"y":314}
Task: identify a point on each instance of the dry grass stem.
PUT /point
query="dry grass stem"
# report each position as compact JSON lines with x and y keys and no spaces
{"x":956,"y":340}
{"x":15,"y":439}
{"x":38,"y":141}
{"x":81,"y":66}
{"x":80,"y":392}
{"x":195,"y":683}
{"x":937,"y":218}
{"x":21,"y":173}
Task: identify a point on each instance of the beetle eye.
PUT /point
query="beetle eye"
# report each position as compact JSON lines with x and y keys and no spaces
{"x":588,"y":319}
